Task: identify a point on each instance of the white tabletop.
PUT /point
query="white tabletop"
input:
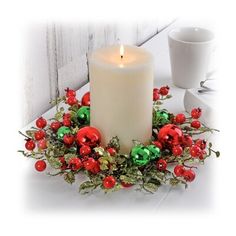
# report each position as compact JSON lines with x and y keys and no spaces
{"x":44,"y":193}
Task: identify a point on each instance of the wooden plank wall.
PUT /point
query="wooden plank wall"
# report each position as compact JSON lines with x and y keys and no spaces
{"x":57,"y":56}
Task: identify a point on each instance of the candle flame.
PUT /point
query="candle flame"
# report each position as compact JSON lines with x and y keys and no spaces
{"x":122,"y":50}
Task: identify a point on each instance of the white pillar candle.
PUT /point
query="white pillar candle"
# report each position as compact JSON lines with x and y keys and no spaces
{"x":121,"y":93}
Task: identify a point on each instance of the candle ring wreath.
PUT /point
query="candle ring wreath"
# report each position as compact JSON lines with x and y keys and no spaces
{"x":69,"y":146}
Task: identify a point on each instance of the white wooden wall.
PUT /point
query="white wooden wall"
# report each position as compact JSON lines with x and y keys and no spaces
{"x":57,"y":56}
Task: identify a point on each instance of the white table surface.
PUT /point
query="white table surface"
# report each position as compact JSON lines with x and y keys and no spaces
{"x":43,"y":193}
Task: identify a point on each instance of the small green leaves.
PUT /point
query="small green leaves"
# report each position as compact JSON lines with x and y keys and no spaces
{"x":114,"y":143}
{"x":54,"y":162}
{"x":69,"y":177}
{"x":86,"y":187}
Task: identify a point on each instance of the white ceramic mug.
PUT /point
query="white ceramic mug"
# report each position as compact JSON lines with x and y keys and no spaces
{"x":190,"y":50}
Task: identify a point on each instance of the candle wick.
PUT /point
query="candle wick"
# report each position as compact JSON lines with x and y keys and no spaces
{"x":121,"y":56}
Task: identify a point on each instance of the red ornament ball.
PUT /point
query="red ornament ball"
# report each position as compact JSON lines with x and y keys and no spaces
{"x":196,"y":124}
{"x":170,"y":135}
{"x":196,"y":113}
{"x":177,"y":150}
{"x":164,"y":90}
{"x":84,"y":150}
{"x":161,"y":165}
{"x":39,"y":134}
{"x":179,"y":170}
{"x":109,"y":182}
{"x":156,"y":95}
{"x":89,"y":136}
{"x":41,"y":122}
{"x":40,"y":165}
{"x":189,"y":175}
{"x":55,"y":125}
{"x":180,"y":118}
{"x":86,"y":99}
{"x":68,"y":139}
{"x":42,"y":144}
{"x":30,"y":145}
{"x":187,"y":140}
{"x":75,"y":163}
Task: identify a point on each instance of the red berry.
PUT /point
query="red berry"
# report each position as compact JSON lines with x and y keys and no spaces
{"x":157,"y":144}
{"x":195,"y":151}
{"x":63,"y":163}
{"x":75,"y":163}
{"x":40,"y":165}
{"x":89,"y":164}
{"x":66,"y":122}
{"x":70,"y":92}
{"x":68,"y":139}
{"x":161,"y":164}
{"x":179,"y":170}
{"x":196,"y":113}
{"x":201,"y":143}
{"x":112,"y":151}
{"x":42,"y":144}
{"x":55,"y":125}
{"x":196,"y":124}
{"x":126,"y":185}
{"x":177,"y":150}
{"x":30,"y":145}
{"x":187,"y":141}
{"x":180,"y":118}
{"x":66,"y":116}
{"x":156,"y":95}
{"x":39,"y":134}
{"x":109,"y":182}
{"x":84,"y":150}
{"x":71,"y":101}
{"x":96,"y":168}
{"x":189,"y":175}
{"x":201,"y":156}
{"x":164,"y":90}
{"x":41,"y":122}
{"x":85,"y":101}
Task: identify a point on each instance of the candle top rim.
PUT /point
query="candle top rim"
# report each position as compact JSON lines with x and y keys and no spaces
{"x":110,"y":56}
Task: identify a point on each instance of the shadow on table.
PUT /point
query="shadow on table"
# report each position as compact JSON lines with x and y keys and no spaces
{"x":51,"y":194}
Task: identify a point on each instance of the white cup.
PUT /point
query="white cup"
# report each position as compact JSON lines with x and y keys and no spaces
{"x":190,"y":50}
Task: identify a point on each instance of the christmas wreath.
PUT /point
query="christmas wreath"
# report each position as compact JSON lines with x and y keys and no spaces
{"x":68,"y":145}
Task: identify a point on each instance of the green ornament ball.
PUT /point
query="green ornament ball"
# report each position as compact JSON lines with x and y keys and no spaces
{"x":155,"y":152}
{"x":62,"y":131}
{"x":83,"y":115}
{"x":140,"y":155}
{"x":163,"y":117}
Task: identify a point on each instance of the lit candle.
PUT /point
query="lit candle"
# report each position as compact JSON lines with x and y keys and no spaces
{"x":121,"y":85}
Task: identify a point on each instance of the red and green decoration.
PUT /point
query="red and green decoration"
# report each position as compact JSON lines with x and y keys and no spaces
{"x":66,"y":145}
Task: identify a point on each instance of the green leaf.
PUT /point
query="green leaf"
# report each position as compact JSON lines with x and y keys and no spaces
{"x":101,"y":151}
{"x":69,"y":177}
{"x":114,"y":143}
{"x":86,"y":187}
{"x":54,"y":162}
{"x":150,"y":187}
{"x":58,"y":115}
